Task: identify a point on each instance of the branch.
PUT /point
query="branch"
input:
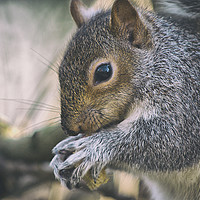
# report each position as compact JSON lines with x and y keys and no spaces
{"x":32,"y":149}
{"x":24,"y":162}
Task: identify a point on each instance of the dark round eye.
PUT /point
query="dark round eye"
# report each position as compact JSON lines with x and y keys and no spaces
{"x":103,"y":73}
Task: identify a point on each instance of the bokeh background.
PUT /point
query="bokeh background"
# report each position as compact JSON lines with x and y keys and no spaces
{"x":32,"y":36}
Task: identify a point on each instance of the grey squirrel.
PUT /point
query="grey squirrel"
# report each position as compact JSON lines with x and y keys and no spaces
{"x":130,"y":98}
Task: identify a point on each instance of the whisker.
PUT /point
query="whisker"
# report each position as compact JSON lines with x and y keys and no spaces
{"x":46,"y":64}
{"x":30,"y":102}
{"x":35,"y":125}
{"x":56,"y":122}
{"x":48,"y":61}
{"x":25,"y":129}
{"x":47,"y":110}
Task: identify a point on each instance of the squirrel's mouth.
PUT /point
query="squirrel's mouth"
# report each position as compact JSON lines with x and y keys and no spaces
{"x":88,"y":132}
{"x":69,"y":132}
{"x":88,"y":121}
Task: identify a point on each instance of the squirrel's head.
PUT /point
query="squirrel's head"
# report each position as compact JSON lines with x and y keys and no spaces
{"x":97,"y":72}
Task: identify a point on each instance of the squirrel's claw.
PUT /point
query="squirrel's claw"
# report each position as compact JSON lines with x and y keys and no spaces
{"x":73,"y":160}
{"x":84,"y":156}
{"x":61,"y":145}
{"x":79,"y":173}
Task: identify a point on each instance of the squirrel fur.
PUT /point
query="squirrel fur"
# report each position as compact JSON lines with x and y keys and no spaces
{"x":130,"y":84}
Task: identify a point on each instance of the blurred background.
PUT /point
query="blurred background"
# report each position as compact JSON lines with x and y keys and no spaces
{"x":33,"y":35}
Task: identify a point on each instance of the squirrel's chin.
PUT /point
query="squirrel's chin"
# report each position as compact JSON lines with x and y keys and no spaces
{"x":85,"y":134}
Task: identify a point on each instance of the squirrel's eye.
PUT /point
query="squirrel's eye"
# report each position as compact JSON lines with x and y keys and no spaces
{"x":103,"y":73}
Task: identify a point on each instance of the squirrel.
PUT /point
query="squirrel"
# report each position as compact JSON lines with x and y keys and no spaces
{"x":130,"y":97}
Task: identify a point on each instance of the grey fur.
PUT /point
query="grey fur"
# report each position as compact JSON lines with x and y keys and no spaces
{"x":158,"y":137}
{"x":186,"y":8}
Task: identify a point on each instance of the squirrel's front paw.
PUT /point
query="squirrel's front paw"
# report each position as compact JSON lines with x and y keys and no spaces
{"x":75,"y":157}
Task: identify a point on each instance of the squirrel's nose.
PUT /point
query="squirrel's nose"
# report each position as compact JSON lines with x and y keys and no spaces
{"x":70,"y":128}
{"x":75,"y":130}
{"x":74,"y":126}
{"x":70,"y":132}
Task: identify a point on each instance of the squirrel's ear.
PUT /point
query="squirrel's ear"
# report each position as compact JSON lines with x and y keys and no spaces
{"x":80,"y":12}
{"x":125,"y":22}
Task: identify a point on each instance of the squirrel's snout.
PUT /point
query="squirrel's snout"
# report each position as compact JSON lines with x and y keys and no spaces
{"x":86,"y":123}
{"x":69,"y":132}
{"x":76,"y":128}
{"x":71,"y":129}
